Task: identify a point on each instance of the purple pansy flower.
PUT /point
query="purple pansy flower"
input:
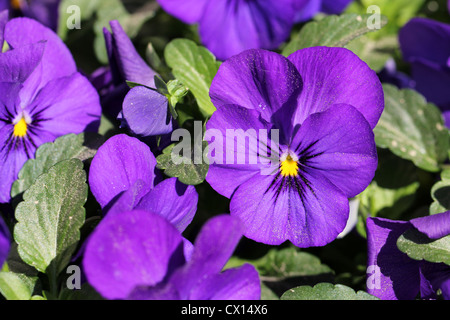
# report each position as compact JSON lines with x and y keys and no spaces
{"x":397,"y":275}
{"x":125,"y":64}
{"x":123,"y":177}
{"x":139,"y":255}
{"x":229,"y":27}
{"x":324,"y":103}
{"x":5,"y":242}
{"x":44,"y":11}
{"x":425,"y":44}
{"x":42,"y":96}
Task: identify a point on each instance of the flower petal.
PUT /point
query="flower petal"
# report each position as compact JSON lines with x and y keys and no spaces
{"x":172,"y":200}
{"x":213,"y":247}
{"x":334,"y":76}
{"x":128,"y":250}
{"x":426,"y":39}
{"x":434,"y":226}
{"x":131,"y":66}
{"x":16,"y":65}
{"x":5,"y":242}
{"x":233,"y":284}
{"x":256,"y":79}
{"x":146,"y":112}
{"x":66,"y":105}
{"x":234,"y":151}
{"x":340,"y":144}
{"x":396,"y":276}
{"x":306,"y":210}
{"x":188,"y":11}
{"x":266,"y":23}
{"x":57,"y":60}
{"x":118,"y":164}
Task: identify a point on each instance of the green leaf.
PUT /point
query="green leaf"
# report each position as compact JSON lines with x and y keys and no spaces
{"x":440,"y":192}
{"x":82,"y":146}
{"x":374,"y":52}
{"x":195,"y":67}
{"x":13,"y":286}
{"x":50,"y":217}
{"x":185,"y":168}
{"x":326,"y":291}
{"x":412,"y":129}
{"x":280,"y":269}
{"x":419,"y":247}
{"x":331,"y":31}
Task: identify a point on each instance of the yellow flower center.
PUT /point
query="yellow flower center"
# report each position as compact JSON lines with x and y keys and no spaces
{"x":289,"y":167}
{"x":20,"y":128}
{"x":16,"y":4}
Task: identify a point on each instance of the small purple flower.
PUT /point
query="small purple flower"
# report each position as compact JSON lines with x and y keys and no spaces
{"x":123,"y":177}
{"x":425,"y":44}
{"x":390,"y":74}
{"x":125,"y":64}
{"x":139,"y":255}
{"x":42,"y":96}
{"x":5,"y":242}
{"x":229,"y":27}
{"x":324,"y":103}
{"x":44,"y":11}
{"x":398,"y":276}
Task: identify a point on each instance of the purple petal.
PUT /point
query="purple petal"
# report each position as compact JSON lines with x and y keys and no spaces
{"x":162,"y":291}
{"x":131,"y":66}
{"x":308,"y":211}
{"x":233,"y":163}
{"x":130,"y":249}
{"x":434,"y":226}
{"x":334,"y":6}
{"x":266,"y":23}
{"x":146,"y":112}
{"x":434,"y":276}
{"x":4,"y":15}
{"x":306,"y":9}
{"x":128,"y":199}
{"x":233,"y":284}
{"x":333,"y":76}
{"x":432,"y":81}
{"x":256,"y":79}
{"x":118,"y":164}
{"x":57,"y":60}
{"x":172,"y":200}
{"x":213,"y":247}
{"x":66,"y":105}
{"x":340,"y":144}
{"x":12,"y":157}
{"x":396,"y":276}
{"x":426,"y":39}
{"x":5,"y":242}
{"x":188,"y":11}
{"x":44,"y":11}
{"x":17,"y":65}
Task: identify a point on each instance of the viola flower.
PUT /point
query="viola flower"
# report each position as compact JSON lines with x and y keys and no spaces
{"x":5,"y":242}
{"x":125,"y":64}
{"x":42,"y":96}
{"x":323,"y":103}
{"x":400,"y":277}
{"x":123,"y":177}
{"x":139,"y":255}
{"x":44,"y":11}
{"x":425,"y":44}
{"x":229,"y":27}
